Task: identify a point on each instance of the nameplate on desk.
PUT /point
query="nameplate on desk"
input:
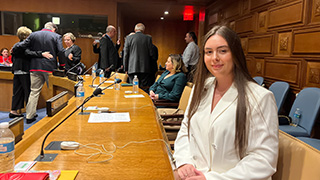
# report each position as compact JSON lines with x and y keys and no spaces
{"x":56,"y":103}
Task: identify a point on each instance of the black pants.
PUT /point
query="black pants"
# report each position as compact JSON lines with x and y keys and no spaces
{"x":21,"y":91}
{"x":145,"y":80}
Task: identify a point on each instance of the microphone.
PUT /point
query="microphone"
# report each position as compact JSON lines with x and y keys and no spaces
{"x":90,"y":68}
{"x":73,"y":68}
{"x":50,"y":157}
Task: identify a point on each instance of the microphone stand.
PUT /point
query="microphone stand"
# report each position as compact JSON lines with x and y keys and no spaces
{"x":50,"y":157}
{"x":89,"y":68}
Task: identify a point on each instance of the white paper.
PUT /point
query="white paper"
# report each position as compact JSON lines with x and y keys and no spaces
{"x":134,"y":96}
{"x":109,"y":117}
{"x":24,"y":166}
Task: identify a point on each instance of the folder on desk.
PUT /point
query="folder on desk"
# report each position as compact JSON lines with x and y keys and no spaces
{"x":68,"y":174}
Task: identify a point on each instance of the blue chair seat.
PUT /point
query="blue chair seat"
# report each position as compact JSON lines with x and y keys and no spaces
{"x":297,"y":131}
{"x":311,"y":141}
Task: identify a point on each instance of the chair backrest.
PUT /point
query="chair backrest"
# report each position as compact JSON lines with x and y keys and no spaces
{"x":259,"y":80}
{"x":184,"y":98}
{"x":308,"y":101}
{"x":280,"y":91}
{"x":123,"y":77}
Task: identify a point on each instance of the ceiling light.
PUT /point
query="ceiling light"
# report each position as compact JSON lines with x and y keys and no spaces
{"x":166,"y":12}
{"x":162,"y":18}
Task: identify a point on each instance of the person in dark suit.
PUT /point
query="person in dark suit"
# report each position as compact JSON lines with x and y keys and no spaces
{"x":154,"y":64}
{"x":137,"y":56}
{"x":20,"y":68}
{"x":171,"y":82}
{"x":108,"y":51}
{"x":40,"y":67}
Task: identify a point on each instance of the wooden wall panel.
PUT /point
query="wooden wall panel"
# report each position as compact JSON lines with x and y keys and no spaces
{"x":315,"y":16}
{"x":284,"y":43}
{"x":313,"y":73}
{"x":258,"y":67}
{"x":289,"y":70}
{"x":245,"y":25}
{"x":262,"y":21}
{"x":306,"y":41}
{"x":259,"y":3}
{"x":233,"y":10}
{"x":244,"y":44}
{"x":260,"y":45}
{"x":288,"y":14}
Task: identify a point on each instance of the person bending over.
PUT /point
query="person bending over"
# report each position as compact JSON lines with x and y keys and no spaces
{"x":230,"y":128}
{"x":171,"y":82}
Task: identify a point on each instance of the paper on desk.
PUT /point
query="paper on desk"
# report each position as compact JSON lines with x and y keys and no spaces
{"x":134,"y":96}
{"x":109,"y":117}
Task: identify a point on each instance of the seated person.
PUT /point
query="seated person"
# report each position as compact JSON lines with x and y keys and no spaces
{"x":73,"y":53}
{"x":5,"y":59}
{"x":172,"y":82}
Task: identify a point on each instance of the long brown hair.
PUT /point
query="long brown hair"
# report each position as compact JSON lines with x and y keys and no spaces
{"x":241,"y":78}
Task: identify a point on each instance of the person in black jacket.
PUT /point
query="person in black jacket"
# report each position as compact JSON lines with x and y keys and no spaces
{"x":73,"y":53}
{"x":108,"y":51}
{"x":44,"y":40}
{"x":20,"y":69}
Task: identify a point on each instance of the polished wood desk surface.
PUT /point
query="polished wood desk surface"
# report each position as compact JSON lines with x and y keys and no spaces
{"x":136,"y":161}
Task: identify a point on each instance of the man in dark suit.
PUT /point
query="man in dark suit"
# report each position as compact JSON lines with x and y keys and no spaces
{"x":108,"y":51}
{"x":137,"y":56}
{"x":40,"y":67}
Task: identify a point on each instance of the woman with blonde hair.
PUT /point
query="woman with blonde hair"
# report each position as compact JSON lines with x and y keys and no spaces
{"x":73,"y":53}
{"x":230,"y":129}
{"x":20,"y":69}
{"x":171,"y":82}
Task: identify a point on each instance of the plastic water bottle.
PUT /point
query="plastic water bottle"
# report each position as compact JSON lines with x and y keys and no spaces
{"x":94,"y":70}
{"x":135,"y":83}
{"x":6,"y":148}
{"x":80,"y":94}
{"x":101,"y":76}
{"x":116,"y":85}
{"x":296,"y":117}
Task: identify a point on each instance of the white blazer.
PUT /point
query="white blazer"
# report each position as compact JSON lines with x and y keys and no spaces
{"x":211,"y":148}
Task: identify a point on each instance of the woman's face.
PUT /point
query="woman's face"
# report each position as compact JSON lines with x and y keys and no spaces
{"x":5,"y":53}
{"x":169,"y":65}
{"x":218,"y":57}
{"x":68,"y":41}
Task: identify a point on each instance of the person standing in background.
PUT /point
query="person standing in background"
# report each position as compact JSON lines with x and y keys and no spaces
{"x":108,"y":51}
{"x":73,"y":53}
{"x":5,"y":59}
{"x":191,"y":54}
{"x":137,"y":57}
{"x":20,"y":68}
{"x":44,"y":40}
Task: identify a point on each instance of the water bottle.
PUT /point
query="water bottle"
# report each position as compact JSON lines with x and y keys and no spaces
{"x":116,"y":85}
{"x":80,"y":94}
{"x":6,"y":148}
{"x":94,"y":70}
{"x":296,"y":117}
{"x":135,"y":84}
{"x":101,"y":76}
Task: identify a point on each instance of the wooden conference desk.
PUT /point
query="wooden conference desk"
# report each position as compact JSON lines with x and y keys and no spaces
{"x":136,"y":161}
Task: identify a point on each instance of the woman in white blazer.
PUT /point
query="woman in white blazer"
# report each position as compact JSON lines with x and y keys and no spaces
{"x":230,"y":129}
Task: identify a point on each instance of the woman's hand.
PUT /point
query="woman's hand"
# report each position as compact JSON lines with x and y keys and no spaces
{"x":199,"y":176}
{"x":70,"y":56}
{"x":186,"y":171}
{"x":151,"y":94}
{"x":47,"y":55}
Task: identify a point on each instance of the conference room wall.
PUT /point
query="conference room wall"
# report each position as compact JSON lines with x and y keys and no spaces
{"x":168,"y":36}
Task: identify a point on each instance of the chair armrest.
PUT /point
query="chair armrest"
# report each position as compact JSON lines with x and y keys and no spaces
{"x":168,"y":116}
{"x":166,"y":103}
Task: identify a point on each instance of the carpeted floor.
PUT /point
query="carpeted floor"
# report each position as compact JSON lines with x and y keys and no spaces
{"x":4,"y":117}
